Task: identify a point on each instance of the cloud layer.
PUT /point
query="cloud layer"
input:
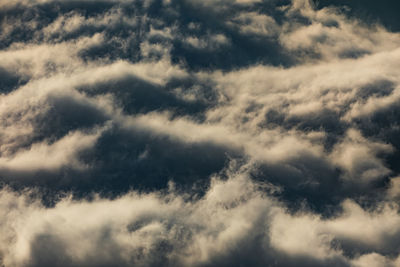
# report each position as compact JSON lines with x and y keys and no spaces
{"x":198,"y":133}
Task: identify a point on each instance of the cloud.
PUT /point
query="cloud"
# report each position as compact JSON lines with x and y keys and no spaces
{"x":368,"y":11}
{"x":147,"y":229}
{"x":354,"y":156}
{"x":198,"y":133}
{"x":44,"y":156}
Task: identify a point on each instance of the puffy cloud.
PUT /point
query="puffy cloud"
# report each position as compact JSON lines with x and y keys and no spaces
{"x":150,"y":229}
{"x":44,"y":156}
{"x":358,"y":155}
{"x":197,"y":133}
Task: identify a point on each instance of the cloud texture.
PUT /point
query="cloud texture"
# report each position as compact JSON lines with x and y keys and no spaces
{"x":199,"y":133}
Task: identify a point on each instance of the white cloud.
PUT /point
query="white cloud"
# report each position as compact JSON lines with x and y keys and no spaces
{"x":115,"y":77}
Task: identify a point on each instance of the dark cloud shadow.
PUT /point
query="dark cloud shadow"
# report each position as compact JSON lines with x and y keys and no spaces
{"x":140,"y":160}
{"x":136,"y":95}
{"x":66,"y":114}
{"x":124,"y":160}
{"x":327,"y":121}
{"x":369,"y":11}
{"x":9,"y":81}
{"x":245,"y":49}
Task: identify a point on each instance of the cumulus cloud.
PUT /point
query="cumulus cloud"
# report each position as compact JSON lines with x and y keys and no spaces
{"x":235,"y":219}
{"x":198,"y":133}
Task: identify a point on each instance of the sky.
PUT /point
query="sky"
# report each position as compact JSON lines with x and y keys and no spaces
{"x":199,"y":133}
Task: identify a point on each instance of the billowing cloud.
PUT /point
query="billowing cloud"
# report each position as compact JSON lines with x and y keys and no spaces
{"x":199,"y":133}
{"x":234,"y":220}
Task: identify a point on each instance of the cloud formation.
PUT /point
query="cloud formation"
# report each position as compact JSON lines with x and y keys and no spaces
{"x":198,"y":133}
